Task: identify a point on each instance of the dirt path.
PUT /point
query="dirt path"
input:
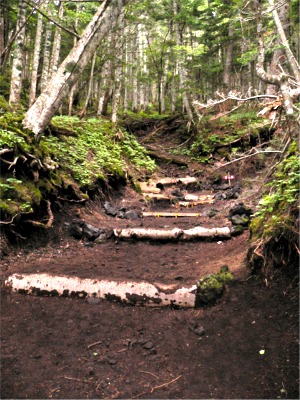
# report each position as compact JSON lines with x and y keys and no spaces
{"x":244,"y":347}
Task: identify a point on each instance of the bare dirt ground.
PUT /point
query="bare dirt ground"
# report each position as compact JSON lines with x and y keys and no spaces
{"x":67,"y":348}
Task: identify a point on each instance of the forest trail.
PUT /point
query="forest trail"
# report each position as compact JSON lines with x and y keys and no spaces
{"x":85,"y":347}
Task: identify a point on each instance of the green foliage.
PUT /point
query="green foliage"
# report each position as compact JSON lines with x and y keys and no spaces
{"x":210,"y":287}
{"x":97,"y":150}
{"x":276,"y":210}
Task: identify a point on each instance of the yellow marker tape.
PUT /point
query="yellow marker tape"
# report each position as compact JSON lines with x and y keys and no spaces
{"x":158,"y":215}
{"x":176,"y":215}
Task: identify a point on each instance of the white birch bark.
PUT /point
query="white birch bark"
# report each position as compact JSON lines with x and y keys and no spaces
{"x":40,"y":114}
{"x":17,"y":65}
{"x":280,"y":30}
{"x":36,"y":59}
{"x":47,"y":52}
{"x":90,"y":87}
{"x":118,"y":69}
{"x":56,"y":42}
{"x":181,"y":68}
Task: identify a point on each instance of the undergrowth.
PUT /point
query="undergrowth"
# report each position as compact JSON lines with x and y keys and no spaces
{"x":275,"y":224}
{"x":86,"y":153}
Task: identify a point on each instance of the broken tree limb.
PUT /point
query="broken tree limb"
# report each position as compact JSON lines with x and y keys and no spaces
{"x":161,"y":155}
{"x":173,"y":234}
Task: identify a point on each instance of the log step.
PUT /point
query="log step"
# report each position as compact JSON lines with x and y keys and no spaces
{"x":196,"y":233}
{"x":171,"y":214}
{"x":130,"y":292}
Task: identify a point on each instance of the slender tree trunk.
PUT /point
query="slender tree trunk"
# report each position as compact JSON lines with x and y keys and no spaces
{"x":280,"y":30}
{"x":36,"y":60}
{"x":181,"y":68}
{"x":40,"y":114}
{"x":116,"y":99}
{"x":228,"y":60}
{"x":56,"y":42}
{"x":17,"y":66}
{"x":2,"y":30}
{"x":281,"y":79}
{"x":74,"y":87}
{"x":82,"y":113}
{"x":46,"y":75}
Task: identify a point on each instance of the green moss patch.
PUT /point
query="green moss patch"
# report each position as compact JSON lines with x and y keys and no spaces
{"x":210,"y":288}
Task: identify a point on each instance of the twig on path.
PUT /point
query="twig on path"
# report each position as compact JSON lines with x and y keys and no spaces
{"x":94,"y":344}
{"x":157,"y":387}
{"x":150,"y":373}
{"x":165,"y":384}
{"x":78,"y":380}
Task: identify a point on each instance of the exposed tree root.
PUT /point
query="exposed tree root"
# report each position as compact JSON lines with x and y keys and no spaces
{"x":50,"y":219}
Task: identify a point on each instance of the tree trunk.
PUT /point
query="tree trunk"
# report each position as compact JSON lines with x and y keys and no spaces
{"x":56,"y":42}
{"x":36,"y":60}
{"x":118,"y":69}
{"x":181,"y":68}
{"x":82,"y":113}
{"x":40,"y":114}
{"x":280,"y":30}
{"x":17,"y":66}
{"x":46,"y":54}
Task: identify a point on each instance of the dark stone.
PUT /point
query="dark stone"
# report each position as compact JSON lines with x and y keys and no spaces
{"x":240,"y":209}
{"x":149,"y":345}
{"x":93,"y":300}
{"x":76,"y":229}
{"x":197,"y":329}
{"x":90,"y":232}
{"x":241,"y":220}
{"x":131,"y":215}
{"x":109,"y":209}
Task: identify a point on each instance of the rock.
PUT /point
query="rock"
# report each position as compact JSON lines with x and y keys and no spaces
{"x":131,"y":215}
{"x":109,"y":209}
{"x":149,"y":345}
{"x":90,"y":232}
{"x":76,"y":229}
{"x":112,"y":361}
{"x":93,"y":300}
{"x":240,"y":209}
{"x":241,"y":220}
{"x":197,"y":329}
{"x":237,"y":230}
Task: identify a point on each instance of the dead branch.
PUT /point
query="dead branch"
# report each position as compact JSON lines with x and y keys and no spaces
{"x":41,"y":224}
{"x":247,"y":156}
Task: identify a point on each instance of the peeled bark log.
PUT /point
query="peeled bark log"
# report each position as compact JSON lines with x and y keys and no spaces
{"x":174,"y":234}
{"x":170,"y":214}
{"x":130,"y":292}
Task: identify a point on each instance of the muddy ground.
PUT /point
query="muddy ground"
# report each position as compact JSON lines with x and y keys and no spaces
{"x":68,"y":348}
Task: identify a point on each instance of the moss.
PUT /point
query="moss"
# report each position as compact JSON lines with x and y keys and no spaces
{"x":210,"y":288}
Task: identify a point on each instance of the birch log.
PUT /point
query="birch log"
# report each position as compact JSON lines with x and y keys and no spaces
{"x":130,"y":292}
{"x":173,"y":234}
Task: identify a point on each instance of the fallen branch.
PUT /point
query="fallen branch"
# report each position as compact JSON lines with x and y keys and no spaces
{"x":247,"y":156}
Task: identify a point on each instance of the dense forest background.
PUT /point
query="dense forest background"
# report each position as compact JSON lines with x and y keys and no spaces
{"x":157,"y":55}
{"x":116,"y":58}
